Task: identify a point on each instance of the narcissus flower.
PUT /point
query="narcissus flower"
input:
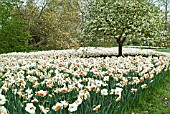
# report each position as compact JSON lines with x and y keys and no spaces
{"x":135,"y":78}
{"x":36,"y":85}
{"x":118,"y":91}
{"x":104,"y":92}
{"x":97,"y":90}
{"x":143,"y":86}
{"x":86,"y":95}
{"x":133,"y":90}
{"x":79,"y":101}
{"x":97,"y":108}
{"x":112,"y":91}
{"x":64,"y":103}
{"x":43,"y":110}
{"x":64,"y":90}
{"x":151,"y":76}
{"x":34,"y":100}
{"x":30,"y":108}
{"x":3,"y":110}
{"x":142,"y":79}
{"x":41,"y":93}
{"x":119,"y":98}
{"x":58,"y":106}
{"x":106,"y":78}
{"x":72,"y":107}
{"x":58,"y":90}
{"x":2,"y":99}
{"x":4,"y":89}
{"x":146,"y":76}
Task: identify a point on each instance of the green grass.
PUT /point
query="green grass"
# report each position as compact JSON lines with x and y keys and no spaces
{"x":163,"y":50}
{"x":154,"y":101}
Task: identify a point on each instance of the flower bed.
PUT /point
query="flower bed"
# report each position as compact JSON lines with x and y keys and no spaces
{"x":53,"y":82}
{"x":86,"y":52}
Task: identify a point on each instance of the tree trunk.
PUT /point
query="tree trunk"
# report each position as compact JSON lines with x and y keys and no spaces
{"x":120,"y":42}
{"x":120,"y":49}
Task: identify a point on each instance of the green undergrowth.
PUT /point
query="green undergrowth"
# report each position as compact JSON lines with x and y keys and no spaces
{"x":156,"y":100}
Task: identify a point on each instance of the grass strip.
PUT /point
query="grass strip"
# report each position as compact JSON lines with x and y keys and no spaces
{"x":154,"y":101}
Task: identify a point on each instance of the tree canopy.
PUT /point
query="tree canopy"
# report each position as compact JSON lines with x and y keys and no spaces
{"x":13,"y":33}
{"x":53,"y":24}
{"x":124,"y":20}
{"x":62,"y":24}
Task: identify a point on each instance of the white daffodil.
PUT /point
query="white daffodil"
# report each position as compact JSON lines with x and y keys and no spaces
{"x":3,"y":110}
{"x":97,"y":108}
{"x":2,"y":99}
{"x":79,"y":101}
{"x":133,"y":90}
{"x":58,"y":106}
{"x":30,"y":108}
{"x":106,"y":78}
{"x":43,"y":110}
{"x":29,"y":91}
{"x":144,"y":86}
{"x":64,"y":103}
{"x":119,"y":98}
{"x":86,"y":95}
{"x":118,"y":91}
{"x":112,"y":91}
{"x":104,"y":92}
{"x":72,"y":107}
{"x":41,"y":93}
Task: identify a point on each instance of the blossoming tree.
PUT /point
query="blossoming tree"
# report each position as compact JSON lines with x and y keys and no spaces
{"x":124,"y":20}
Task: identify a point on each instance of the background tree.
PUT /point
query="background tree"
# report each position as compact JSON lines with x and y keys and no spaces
{"x":13,"y":33}
{"x":67,"y":23}
{"x":124,"y":20}
{"x":165,"y":6}
{"x":91,"y":41}
{"x":53,"y":24}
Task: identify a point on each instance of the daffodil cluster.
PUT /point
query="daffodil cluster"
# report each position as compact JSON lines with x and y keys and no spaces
{"x":55,"y":82}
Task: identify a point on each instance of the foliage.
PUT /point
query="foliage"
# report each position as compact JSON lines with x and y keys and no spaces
{"x":53,"y":24}
{"x":168,"y":29}
{"x":13,"y":36}
{"x":164,"y":5}
{"x":124,"y":20}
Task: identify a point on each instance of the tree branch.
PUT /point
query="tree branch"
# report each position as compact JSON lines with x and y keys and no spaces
{"x":124,"y":39}
{"x":43,"y":8}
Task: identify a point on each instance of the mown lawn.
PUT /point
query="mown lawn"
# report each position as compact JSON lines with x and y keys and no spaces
{"x":155,"y":101}
{"x":163,"y":50}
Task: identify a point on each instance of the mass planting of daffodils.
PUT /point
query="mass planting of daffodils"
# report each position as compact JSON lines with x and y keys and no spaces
{"x":56,"y":83}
